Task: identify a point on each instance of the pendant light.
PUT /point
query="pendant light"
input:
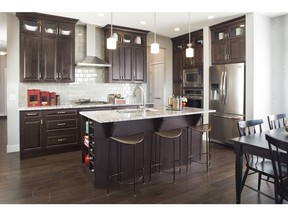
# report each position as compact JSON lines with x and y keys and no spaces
{"x":111,"y":41}
{"x":189,"y":50}
{"x":155,"y":45}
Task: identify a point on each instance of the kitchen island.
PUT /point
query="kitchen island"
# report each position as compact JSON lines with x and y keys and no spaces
{"x":98,"y":126}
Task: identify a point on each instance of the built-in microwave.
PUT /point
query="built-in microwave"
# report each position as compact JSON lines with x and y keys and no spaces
{"x":192,"y":77}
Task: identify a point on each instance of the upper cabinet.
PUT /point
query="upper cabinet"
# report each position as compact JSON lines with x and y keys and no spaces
{"x":228,"y":41}
{"x":47,"y":48}
{"x":180,"y":61}
{"x":129,"y":60}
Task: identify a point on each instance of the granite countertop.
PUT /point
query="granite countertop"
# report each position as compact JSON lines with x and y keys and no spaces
{"x":78,"y":106}
{"x":107,"y":116}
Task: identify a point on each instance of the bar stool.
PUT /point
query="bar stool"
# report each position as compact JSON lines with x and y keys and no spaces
{"x":203,"y":128}
{"x":130,"y":141}
{"x":170,"y":134}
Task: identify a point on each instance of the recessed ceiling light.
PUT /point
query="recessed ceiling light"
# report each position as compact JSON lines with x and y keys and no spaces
{"x":100,"y":14}
{"x":176,"y":29}
{"x":143,"y":22}
{"x":211,"y":17}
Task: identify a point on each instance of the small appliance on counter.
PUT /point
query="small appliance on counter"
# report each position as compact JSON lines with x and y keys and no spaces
{"x":33,"y":97}
{"x":116,"y":99}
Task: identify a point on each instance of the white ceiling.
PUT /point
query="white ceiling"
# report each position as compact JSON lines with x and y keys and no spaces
{"x":165,"y":21}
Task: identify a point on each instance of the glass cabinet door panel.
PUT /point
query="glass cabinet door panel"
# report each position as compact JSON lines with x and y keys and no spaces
{"x":31,"y":25}
{"x":50,"y":28}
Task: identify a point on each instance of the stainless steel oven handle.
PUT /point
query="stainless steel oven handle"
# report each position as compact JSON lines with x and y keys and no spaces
{"x":226,"y":116}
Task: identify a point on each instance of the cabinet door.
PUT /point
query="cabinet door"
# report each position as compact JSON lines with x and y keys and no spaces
{"x":49,"y":58}
{"x":236,"y":48}
{"x":115,"y":61}
{"x":30,"y":57}
{"x":177,"y":66}
{"x":66,"y":56}
{"x":127,"y":67}
{"x":139,"y":64}
{"x":177,"y":88}
{"x":30,"y":133}
{"x":219,"y":52}
{"x":198,"y":56}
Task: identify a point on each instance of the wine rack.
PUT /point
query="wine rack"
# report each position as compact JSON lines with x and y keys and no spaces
{"x":88,"y":144}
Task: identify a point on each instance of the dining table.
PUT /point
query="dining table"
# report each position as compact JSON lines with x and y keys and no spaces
{"x":255,"y":144}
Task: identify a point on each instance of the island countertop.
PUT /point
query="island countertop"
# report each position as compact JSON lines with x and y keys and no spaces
{"x":107,"y":116}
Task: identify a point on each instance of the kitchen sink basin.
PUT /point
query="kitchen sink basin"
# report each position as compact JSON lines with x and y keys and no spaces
{"x":137,"y":110}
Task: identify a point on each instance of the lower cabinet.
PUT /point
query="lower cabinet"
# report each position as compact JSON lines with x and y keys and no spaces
{"x":48,"y":132}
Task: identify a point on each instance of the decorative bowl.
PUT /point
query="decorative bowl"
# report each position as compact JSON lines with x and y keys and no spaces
{"x":126,"y":41}
{"x":30,"y":28}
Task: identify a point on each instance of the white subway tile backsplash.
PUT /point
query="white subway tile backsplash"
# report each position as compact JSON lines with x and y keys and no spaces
{"x":89,"y":83}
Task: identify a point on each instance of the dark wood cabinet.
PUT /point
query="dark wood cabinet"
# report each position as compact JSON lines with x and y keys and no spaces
{"x":47,"y":48}
{"x":180,"y":61}
{"x":228,"y":41}
{"x":129,"y":60}
{"x":48,"y":132}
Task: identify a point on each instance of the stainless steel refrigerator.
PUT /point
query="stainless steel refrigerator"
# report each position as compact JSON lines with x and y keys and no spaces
{"x":227,"y":97}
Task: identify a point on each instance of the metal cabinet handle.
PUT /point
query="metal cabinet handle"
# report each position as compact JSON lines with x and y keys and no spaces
{"x":61,"y":140}
{"x":61,"y":112}
{"x":61,"y":124}
{"x":31,"y":114}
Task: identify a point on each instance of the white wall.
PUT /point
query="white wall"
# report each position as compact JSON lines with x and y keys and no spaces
{"x":258,"y":67}
{"x":13,"y":62}
{"x":279,"y":71}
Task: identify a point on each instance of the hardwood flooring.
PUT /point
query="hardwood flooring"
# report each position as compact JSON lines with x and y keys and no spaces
{"x":59,"y":179}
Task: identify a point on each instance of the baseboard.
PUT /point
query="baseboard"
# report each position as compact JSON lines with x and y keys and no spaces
{"x":13,"y":148}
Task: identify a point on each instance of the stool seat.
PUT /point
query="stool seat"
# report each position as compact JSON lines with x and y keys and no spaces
{"x":130,"y":140}
{"x":171,"y":134}
{"x":202,"y":128}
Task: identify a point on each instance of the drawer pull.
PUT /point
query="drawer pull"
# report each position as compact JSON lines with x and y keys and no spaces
{"x":61,"y":124}
{"x":61,"y":112}
{"x":31,"y":114}
{"x":61,"y":140}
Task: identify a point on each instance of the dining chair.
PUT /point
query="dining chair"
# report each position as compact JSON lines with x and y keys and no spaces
{"x":277,"y":121}
{"x":278,"y":151}
{"x":255,"y":164}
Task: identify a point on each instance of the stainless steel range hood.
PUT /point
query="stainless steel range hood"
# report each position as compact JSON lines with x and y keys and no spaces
{"x":91,"y":60}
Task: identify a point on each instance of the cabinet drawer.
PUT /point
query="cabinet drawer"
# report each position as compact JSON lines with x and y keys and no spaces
{"x":32,"y":114}
{"x":59,"y":124}
{"x":64,"y":139}
{"x":69,"y":112}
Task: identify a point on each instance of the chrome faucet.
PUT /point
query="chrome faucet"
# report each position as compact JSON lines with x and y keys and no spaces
{"x":143,"y":95}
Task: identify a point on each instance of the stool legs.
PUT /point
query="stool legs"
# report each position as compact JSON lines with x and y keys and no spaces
{"x":189,"y":154}
{"x":157,"y":155}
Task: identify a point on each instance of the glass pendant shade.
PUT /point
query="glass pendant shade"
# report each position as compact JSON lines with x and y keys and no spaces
{"x":154,"y":48}
{"x":189,"y":52}
{"x":111,"y":43}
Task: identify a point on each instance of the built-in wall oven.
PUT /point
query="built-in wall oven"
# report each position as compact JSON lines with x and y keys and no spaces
{"x":192,"y":78}
{"x":194,"y":97}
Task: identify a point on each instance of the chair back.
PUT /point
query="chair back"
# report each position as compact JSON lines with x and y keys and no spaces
{"x":279,"y":157}
{"x":277,"y":121}
{"x":249,"y":127}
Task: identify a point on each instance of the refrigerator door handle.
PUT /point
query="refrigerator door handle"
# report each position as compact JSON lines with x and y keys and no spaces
{"x":225,"y":87}
{"x":221,"y":87}
{"x":226,"y":116}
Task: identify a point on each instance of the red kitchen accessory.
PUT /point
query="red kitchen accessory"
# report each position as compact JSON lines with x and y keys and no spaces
{"x":33,"y":97}
{"x":45,"y":98}
{"x":53,"y":100}
{"x":87,"y":159}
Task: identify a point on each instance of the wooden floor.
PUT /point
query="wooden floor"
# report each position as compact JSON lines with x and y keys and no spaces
{"x":59,"y":179}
